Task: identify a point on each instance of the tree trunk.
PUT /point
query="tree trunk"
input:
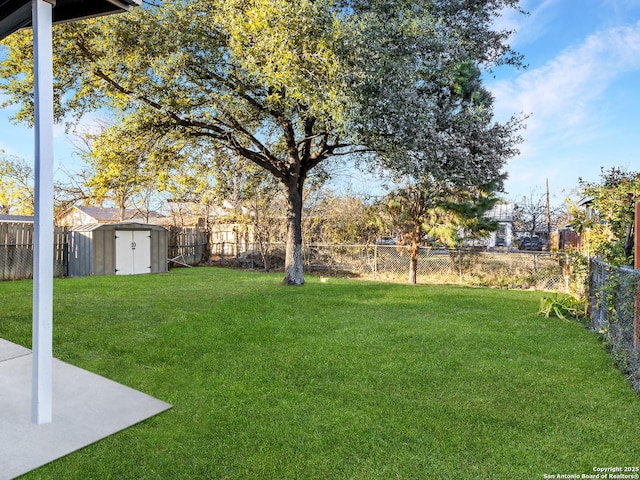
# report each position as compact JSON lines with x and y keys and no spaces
{"x":413,"y":263}
{"x":413,"y":268}
{"x":293,"y":254}
{"x":121,"y":210}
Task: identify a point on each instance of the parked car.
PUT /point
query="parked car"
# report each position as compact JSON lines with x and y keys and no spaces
{"x":530,"y":243}
{"x":386,"y":241}
{"x":434,"y":246}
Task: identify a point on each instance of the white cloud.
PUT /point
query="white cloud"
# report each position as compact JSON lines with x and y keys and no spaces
{"x":580,"y":119}
{"x":526,"y":27}
{"x":564,"y":95}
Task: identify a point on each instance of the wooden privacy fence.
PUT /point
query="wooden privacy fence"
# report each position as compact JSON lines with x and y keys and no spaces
{"x":188,"y":246}
{"x":16,"y":251}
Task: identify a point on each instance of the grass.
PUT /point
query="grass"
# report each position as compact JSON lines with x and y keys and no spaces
{"x":336,"y":380}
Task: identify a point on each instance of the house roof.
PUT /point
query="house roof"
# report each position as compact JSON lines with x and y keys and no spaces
{"x":502,"y":212}
{"x":585,"y":201}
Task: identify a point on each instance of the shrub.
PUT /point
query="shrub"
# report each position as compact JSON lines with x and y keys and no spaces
{"x":565,"y":307}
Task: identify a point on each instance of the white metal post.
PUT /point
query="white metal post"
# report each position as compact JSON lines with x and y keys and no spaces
{"x":42,"y":345}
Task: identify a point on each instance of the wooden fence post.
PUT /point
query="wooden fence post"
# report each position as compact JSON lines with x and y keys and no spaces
{"x":636,"y":243}
{"x":636,"y":325}
{"x":636,"y":265}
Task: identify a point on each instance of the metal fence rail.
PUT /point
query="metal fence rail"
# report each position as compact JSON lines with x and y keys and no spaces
{"x":509,"y":269}
{"x":382,"y":262}
{"x":614,"y":294}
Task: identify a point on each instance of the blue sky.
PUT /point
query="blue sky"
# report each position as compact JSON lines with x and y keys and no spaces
{"x":581,"y":89}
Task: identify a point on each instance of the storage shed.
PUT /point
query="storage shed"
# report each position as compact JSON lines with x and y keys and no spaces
{"x":126,"y":248}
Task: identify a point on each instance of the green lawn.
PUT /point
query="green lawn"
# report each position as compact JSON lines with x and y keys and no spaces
{"x":336,"y":380}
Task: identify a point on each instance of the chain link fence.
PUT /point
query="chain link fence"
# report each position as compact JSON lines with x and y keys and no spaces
{"x":538,"y":270}
{"x":614,"y":309}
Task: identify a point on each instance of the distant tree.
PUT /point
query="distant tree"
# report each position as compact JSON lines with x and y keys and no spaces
{"x":535,"y":214}
{"x":606,"y":216}
{"x":343,"y":219}
{"x":464,"y":220}
{"x":16,"y":186}
{"x":253,"y":200}
{"x":125,"y":165}
{"x":266,"y":205}
{"x":443,"y":205}
{"x":530,"y":213}
{"x":70,"y":190}
{"x":408,"y":208}
{"x":441,"y":211}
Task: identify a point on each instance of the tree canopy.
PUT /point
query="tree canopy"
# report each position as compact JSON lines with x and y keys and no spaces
{"x":127,"y":165}
{"x":288,"y":84}
{"x":449,"y":207}
{"x":16,"y":186}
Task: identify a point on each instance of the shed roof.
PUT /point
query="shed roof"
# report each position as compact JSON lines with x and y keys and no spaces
{"x":116,"y":226}
{"x":101,"y":214}
{"x":502,"y":212}
{"x":16,"y":218}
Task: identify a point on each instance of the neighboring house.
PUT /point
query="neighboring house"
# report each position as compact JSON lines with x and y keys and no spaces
{"x":567,"y":238}
{"x":586,"y":203}
{"x":230,"y":230}
{"x":190,"y":214}
{"x":503,"y":213}
{"x":81,"y":215}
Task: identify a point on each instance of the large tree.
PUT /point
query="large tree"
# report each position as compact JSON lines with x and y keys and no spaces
{"x":443,"y":202}
{"x":284,"y":84}
{"x":534,"y":214}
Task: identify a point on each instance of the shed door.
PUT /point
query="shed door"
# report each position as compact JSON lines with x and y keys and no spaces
{"x":133,"y":252}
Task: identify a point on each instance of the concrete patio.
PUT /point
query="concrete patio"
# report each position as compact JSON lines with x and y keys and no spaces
{"x":86,"y":408}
